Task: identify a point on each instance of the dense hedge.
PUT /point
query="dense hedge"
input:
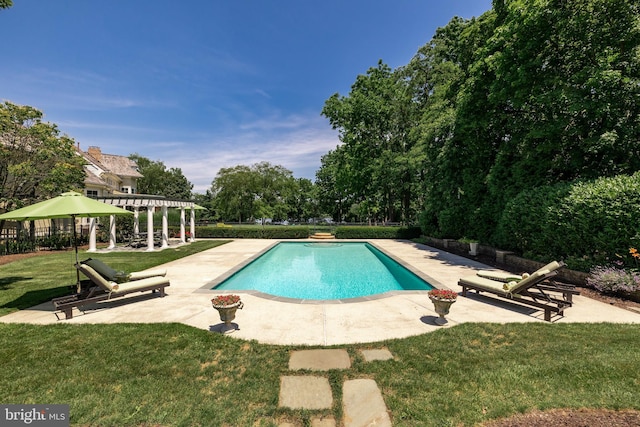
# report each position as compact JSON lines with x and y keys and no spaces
{"x":302,"y":232}
{"x":254,"y":232}
{"x":359,"y":232}
{"x":584,"y":223}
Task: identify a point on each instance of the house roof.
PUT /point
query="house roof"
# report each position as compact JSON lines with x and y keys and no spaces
{"x":120,"y":165}
{"x":111,"y":163}
{"x":92,"y":179}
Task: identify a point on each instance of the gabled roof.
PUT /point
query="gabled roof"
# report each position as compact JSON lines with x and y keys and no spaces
{"x":111,"y":163}
{"x":93,"y":179}
{"x":120,"y":165}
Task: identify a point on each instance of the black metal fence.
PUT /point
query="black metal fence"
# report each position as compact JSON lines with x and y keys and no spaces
{"x":23,"y":240}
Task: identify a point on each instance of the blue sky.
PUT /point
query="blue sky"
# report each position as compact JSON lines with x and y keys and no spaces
{"x":206,"y":84}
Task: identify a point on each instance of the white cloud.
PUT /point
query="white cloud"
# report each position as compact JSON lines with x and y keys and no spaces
{"x":297,"y":148}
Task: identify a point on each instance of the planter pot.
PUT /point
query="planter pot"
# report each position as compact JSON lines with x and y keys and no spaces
{"x":473,"y":246}
{"x":442,"y":307}
{"x":227,"y":314}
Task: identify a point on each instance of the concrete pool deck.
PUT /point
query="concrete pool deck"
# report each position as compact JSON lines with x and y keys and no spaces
{"x":281,"y":321}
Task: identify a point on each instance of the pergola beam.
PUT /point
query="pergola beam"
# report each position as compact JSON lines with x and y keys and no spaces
{"x":137,"y":201}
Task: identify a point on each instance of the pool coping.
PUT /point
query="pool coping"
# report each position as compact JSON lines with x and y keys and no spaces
{"x":210,"y":286}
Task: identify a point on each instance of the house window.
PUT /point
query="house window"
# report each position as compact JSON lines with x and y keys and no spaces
{"x":92,"y":193}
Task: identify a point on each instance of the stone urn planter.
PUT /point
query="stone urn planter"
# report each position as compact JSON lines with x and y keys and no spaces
{"x":473,"y":248}
{"x":442,"y":300}
{"x":227,"y":306}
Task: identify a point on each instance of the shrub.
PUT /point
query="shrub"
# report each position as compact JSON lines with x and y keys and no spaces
{"x":253,"y":232}
{"x":584,"y":223}
{"x":302,"y":232}
{"x":364,"y":232}
{"x":614,"y":280}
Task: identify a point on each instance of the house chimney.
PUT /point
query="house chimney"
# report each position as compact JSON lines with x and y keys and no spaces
{"x":95,"y":152}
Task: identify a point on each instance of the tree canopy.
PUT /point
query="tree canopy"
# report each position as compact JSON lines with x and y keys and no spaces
{"x":159,"y":180}
{"x":531,"y":93}
{"x":260,"y":191}
{"x":36,"y":162}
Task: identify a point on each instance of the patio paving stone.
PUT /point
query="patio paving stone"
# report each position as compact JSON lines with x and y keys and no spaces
{"x":319,"y":360}
{"x":363,"y":404}
{"x":305,"y":392}
{"x":376,"y":354}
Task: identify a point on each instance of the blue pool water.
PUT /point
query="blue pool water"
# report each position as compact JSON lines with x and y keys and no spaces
{"x":324,"y":271}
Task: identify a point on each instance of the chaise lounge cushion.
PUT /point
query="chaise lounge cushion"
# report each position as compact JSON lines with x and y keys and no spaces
{"x":149,"y":282}
{"x":120,"y":276}
{"x":119,"y":288}
{"x":499,"y":287}
{"x":499,"y":276}
{"x":508,"y":277}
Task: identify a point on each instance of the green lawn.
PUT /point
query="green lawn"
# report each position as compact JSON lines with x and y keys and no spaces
{"x":176,"y":375}
{"x":34,"y":280}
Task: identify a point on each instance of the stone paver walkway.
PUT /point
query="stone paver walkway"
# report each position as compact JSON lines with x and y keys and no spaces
{"x":319,"y":360}
{"x":362,"y":400}
{"x":305,"y":392}
{"x":363,"y":404}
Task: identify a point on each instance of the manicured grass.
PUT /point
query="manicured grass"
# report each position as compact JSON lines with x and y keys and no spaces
{"x":31,"y":281}
{"x":176,"y":375}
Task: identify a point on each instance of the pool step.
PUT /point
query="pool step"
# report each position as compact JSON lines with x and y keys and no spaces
{"x":322,"y":236}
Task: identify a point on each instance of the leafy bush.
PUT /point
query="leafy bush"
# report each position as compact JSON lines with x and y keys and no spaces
{"x":253,"y":232}
{"x":360,"y":232}
{"x":584,"y":223}
{"x":614,"y":280}
{"x":302,"y":232}
{"x":55,"y":241}
{"x":16,"y":246}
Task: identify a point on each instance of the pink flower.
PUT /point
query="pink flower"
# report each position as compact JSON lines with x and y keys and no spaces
{"x":443,"y":294}
{"x":225,"y":300}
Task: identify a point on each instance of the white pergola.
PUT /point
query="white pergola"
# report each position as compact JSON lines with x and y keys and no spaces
{"x":150,"y":203}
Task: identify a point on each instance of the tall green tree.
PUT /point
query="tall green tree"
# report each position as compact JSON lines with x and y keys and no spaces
{"x":232,"y":191}
{"x":439,"y":73}
{"x":302,"y":200}
{"x":374,"y":122}
{"x":259,"y":191}
{"x":552,"y":96}
{"x":36,"y":162}
{"x":333,"y":187}
{"x":159,"y":180}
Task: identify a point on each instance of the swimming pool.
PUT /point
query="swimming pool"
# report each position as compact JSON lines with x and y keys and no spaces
{"x":323,"y":271}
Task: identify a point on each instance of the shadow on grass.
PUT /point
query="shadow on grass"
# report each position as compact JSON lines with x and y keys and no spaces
{"x":32,"y":298}
{"x":6,"y":282}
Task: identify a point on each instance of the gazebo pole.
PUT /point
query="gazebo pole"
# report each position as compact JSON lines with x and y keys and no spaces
{"x":75,"y":245}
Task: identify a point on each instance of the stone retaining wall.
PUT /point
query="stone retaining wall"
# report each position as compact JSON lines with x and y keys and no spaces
{"x":507,"y":258}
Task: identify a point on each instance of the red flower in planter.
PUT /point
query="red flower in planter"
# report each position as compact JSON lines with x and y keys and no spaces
{"x":443,"y":294}
{"x":225,"y":300}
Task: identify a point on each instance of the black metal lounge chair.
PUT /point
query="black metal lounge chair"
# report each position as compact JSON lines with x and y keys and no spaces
{"x":535,"y":290}
{"x":104,"y":289}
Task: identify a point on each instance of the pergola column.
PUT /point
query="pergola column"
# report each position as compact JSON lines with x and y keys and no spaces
{"x":136,"y":221}
{"x":92,"y":235}
{"x":149,"y":228}
{"x":193,"y":225}
{"x":112,"y":231}
{"x":165,"y":227}
{"x":182,"y":223}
